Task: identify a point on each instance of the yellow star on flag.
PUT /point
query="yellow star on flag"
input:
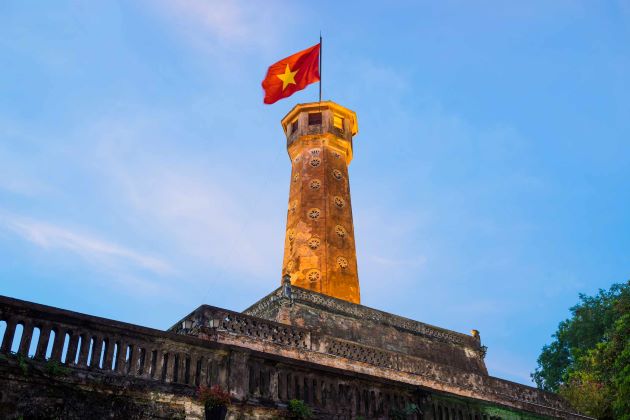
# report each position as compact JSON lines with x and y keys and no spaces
{"x":288,"y":77}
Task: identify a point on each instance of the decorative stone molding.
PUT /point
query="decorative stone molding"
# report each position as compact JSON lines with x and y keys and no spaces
{"x":364,"y":312}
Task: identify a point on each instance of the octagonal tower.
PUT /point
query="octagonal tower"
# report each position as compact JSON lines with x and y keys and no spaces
{"x":319,"y":247}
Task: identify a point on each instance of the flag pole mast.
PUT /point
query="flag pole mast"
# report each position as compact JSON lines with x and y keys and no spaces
{"x":320,"y":66}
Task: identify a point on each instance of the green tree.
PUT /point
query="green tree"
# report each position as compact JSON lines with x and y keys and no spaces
{"x":589,"y":360}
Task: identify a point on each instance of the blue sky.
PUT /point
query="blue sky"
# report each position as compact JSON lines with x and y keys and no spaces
{"x":141,"y":175}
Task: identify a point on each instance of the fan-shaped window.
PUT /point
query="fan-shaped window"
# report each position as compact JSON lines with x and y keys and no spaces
{"x":315,"y":162}
{"x":313,"y":275}
{"x":337,"y":174}
{"x":340,"y":231}
{"x":314,"y":213}
{"x":315,"y":184}
{"x":339,"y":202}
{"x":342,"y":263}
{"x":314,"y":243}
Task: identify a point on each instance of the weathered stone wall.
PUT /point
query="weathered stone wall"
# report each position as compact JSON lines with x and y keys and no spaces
{"x":298,"y":343}
{"x":30,"y":389}
{"x":70,"y":365}
{"x":332,"y":317}
{"x":145,"y":373}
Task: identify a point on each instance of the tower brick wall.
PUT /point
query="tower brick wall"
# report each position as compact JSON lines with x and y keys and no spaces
{"x":319,"y":250}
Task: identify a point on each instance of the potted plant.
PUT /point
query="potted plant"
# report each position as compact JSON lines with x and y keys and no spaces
{"x":215,"y":401}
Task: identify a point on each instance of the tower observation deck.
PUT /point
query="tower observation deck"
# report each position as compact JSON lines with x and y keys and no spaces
{"x":319,"y":247}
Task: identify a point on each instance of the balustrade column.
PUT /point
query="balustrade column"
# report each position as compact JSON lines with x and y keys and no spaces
{"x":73,"y":344}
{"x":273,"y":383}
{"x":141,"y":361}
{"x":119,"y":361}
{"x":316,"y":391}
{"x":133,"y":359}
{"x":238,"y":380}
{"x":9,"y":333}
{"x":109,"y":354}
{"x":25,"y":341}
{"x":148,"y":363}
{"x":57,"y":347}
{"x":159,"y":358}
{"x":282,"y":384}
{"x":176,"y":367}
{"x":85,"y":349}
{"x":222,"y":369}
{"x":42,"y":345}
{"x":253,"y":384}
{"x":203,"y":370}
{"x":192,"y":371}
{"x":181,"y":368}
{"x":96,"y":352}
{"x":170,"y":367}
{"x":306,"y":389}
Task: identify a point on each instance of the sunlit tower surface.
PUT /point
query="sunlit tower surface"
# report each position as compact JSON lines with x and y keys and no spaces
{"x":319,"y":247}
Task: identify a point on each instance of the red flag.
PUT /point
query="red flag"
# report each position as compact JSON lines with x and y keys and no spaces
{"x":291,"y":74}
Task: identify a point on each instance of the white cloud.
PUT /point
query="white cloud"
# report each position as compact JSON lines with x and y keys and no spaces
{"x":15,"y":175}
{"x":224,"y":19}
{"x":18,"y":185}
{"x":203,"y":209}
{"x":204,"y":217}
{"x":230,"y":23}
{"x":49,"y":236}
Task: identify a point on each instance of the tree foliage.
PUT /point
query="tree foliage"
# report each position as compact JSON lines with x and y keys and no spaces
{"x":589,"y":360}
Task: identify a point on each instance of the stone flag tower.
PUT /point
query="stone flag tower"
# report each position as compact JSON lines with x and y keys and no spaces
{"x":319,"y":248}
{"x":311,"y":341}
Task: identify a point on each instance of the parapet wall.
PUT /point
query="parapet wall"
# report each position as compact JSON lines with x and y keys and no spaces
{"x":304,"y":344}
{"x":371,"y":327}
{"x":56,"y":372}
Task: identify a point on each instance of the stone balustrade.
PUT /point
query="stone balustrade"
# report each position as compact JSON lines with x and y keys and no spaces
{"x":243,"y":325}
{"x":119,"y":352}
{"x":262,"y":363}
{"x":101,"y":345}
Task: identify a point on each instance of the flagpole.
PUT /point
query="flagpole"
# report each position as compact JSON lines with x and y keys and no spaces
{"x":320,"y":66}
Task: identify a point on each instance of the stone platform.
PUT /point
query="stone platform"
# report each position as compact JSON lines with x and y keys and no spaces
{"x":445,"y":368}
